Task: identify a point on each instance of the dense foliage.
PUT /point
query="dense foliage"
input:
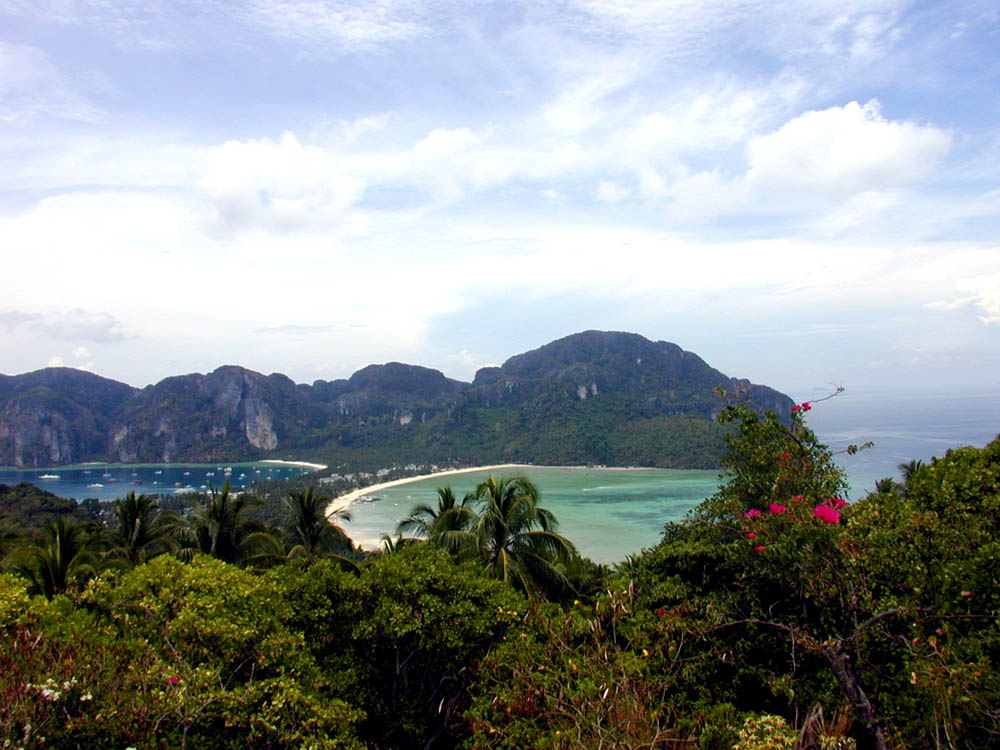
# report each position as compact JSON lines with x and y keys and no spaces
{"x":776,"y":616}
{"x":596,"y":397}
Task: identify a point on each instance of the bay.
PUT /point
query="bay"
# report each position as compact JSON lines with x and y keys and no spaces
{"x":607,"y":513}
{"x":109,"y":481}
{"x":612,"y":513}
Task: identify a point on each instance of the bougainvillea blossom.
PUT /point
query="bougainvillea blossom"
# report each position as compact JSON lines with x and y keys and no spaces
{"x":827,"y":514}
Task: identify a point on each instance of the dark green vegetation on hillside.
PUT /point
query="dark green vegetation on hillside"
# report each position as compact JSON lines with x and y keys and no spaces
{"x":591,"y":398}
{"x":777,"y":616}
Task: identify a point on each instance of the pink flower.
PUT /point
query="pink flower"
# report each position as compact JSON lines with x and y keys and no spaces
{"x":173,"y":680}
{"x":759,"y":548}
{"x":804,"y":406}
{"x":826,"y":513}
{"x":796,"y":407}
{"x":751,"y":535}
{"x":751,"y":513}
{"x":836,"y":503}
{"x":777,"y":508}
{"x":798,"y":499}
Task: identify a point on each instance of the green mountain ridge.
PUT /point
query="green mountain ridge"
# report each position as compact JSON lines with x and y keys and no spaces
{"x":590,"y":398}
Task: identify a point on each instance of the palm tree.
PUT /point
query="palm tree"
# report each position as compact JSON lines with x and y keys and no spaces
{"x":8,"y":535}
{"x":516,"y":539}
{"x":310,"y":528}
{"x":449,"y":525}
{"x":142,"y":532}
{"x":391,"y":546}
{"x":217,"y":526}
{"x":64,"y":559}
{"x":910,"y":468}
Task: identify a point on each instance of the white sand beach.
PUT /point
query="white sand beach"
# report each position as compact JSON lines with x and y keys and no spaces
{"x":344,"y":501}
{"x":306,"y":464}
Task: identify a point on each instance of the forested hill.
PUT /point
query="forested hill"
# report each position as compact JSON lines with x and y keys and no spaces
{"x":594,"y":397}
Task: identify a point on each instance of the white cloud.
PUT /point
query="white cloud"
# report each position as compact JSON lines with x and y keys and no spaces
{"x":842,"y":151}
{"x":82,"y":325}
{"x":611,"y":192}
{"x":72,"y":325}
{"x":281,"y":185}
{"x":32,"y":87}
{"x":352,"y":26}
{"x":981,"y":291}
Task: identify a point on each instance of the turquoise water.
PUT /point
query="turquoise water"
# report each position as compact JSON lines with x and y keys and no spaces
{"x":610,"y":514}
{"x":110,"y":481}
{"x":607,"y":513}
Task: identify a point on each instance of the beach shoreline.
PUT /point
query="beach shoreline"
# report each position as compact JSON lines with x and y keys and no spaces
{"x":305,"y":464}
{"x":344,"y":502}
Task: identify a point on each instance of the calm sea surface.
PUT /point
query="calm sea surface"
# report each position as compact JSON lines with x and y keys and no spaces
{"x":109,"y":481}
{"x":608,"y":513}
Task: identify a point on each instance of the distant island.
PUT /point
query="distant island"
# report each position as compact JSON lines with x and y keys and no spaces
{"x":602,"y":398}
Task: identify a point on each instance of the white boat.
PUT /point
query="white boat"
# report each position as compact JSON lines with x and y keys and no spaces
{"x":95,"y":485}
{"x":49,"y":476}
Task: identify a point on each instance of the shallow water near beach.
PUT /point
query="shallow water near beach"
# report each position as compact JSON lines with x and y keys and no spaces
{"x":612,"y":513}
{"x":607,"y":513}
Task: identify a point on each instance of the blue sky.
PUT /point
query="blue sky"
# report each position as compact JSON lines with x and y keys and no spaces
{"x":803,"y":193}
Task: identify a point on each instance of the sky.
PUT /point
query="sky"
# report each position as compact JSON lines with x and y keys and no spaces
{"x":804,"y":193}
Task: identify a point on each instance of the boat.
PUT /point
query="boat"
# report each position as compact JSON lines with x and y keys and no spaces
{"x":158,"y":471}
{"x":49,"y":476}
{"x":95,"y":486}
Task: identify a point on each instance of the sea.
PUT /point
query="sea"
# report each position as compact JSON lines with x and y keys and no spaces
{"x":608,"y":513}
{"x":109,"y":481}
{"x":612,"y":513}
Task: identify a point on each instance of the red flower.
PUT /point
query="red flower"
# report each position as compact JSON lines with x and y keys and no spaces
{"x":804,"y":406}
{"x":759,"y":548}
{"x":751,"y":513}
{"x":836,"y":503}
{"x":751,"y":535}
{"x":661,"y":612}
{"x":826,"y":513}
{"x":777,"y":508}
{"x":784,"y":456}
{"x":173,"y":680}
{"x":798,"y":499}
